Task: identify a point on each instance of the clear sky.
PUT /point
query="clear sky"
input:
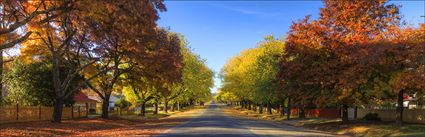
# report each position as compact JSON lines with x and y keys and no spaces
{"x":218,"y":30}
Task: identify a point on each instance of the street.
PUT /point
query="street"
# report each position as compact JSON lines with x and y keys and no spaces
{"x":212,"y":122}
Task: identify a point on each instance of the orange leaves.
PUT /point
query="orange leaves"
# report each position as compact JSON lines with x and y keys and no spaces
{"x":350,"y":51}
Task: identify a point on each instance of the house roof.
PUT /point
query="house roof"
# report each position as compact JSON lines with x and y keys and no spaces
{"x":81,"y":97}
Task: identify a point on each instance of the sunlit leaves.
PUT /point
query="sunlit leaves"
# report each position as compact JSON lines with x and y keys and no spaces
{"x":252,"y":74}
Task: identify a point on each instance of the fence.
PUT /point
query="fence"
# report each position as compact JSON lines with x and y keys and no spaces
{"x":17,"y":113}
{"x":322,"y":112}
{"x":409,"y":115}
{"x":118,"y":111}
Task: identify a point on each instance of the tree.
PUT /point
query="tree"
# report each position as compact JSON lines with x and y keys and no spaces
{"x":118,"y":28}
{"x":30,"y":84}
{"x":197,"y":78}
{"x":403,"y":62}
{"x":14,"y":15}
{"x":320,"y":57}
{"x":266,"y":68}
{"x":59,"y":37}
{"x":139,"y":91}
{"x":252,"y":74}
{"x":151,"y":72}
{"x":236,"y":76}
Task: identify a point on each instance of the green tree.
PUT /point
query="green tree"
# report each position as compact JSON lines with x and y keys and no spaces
{"x":30,"y":83}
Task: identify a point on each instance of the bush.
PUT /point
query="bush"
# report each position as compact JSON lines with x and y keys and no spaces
{"x":372,"y":117}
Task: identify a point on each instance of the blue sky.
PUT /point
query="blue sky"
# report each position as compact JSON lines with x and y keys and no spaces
{"x":218,"y":30}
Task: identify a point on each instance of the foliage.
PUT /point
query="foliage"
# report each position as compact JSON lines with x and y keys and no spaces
{"x":122,"y":103}
{"x":336,"y":60}
{"x":356,"y":53}
{"x":251,"y":75}
{"x":197,"y":78}
{"x":30,"y":84}
{"x":223,"y":96}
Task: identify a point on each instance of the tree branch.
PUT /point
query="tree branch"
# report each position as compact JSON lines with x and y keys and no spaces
{"x":16,"y":41}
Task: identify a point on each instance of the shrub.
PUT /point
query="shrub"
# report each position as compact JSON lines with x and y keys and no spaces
{"x":372,"y":117}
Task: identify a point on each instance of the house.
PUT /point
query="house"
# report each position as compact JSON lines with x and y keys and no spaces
{"x":412,"y":102}
{"x":82,"y":100}
{"x":112,"y":101}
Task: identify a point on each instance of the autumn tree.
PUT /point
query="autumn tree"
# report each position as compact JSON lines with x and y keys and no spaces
{"x":197,"y":78}
{"x":118,"y":28}
{"x":319,"y":51}
{"x":152,"y":72}
{"x":404,"y":63}
{"x":251,"y":75}
{"x":236,"y":76}
{"x":15,"y":15}
{"x":58,"y":38}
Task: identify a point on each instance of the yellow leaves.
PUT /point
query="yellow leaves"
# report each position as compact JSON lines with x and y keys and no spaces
{"x":33,"y":48}
{"x":252,"y":73}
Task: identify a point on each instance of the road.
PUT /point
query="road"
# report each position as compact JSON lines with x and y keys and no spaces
{"x":212,"y":122}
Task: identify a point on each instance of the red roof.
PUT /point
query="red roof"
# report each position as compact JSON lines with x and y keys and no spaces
{"x":81,"y":97}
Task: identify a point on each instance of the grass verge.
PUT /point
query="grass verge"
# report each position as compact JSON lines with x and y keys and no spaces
{"x":353,"y":128}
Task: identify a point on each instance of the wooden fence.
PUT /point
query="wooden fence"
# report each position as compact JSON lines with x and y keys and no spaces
{"x":17,"y":113}
{"x":118,"y":111}
{"x":409,"y":115}
{"x":321,"y":113}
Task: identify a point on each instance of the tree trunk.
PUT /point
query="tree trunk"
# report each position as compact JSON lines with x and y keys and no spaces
{"x":302,"y":112}
{"x":344,"y":113}
{"x":249,"y":105}
{"x":166,"y":106}
{"x":57,"y":110}
{"x":242,"y":105}
{"x":155,"y":108}
{"x":288,"y":115}
{"x":261,"y":109}
{"x":400,"y":107}
{"x":282,"y":109}
{"x":105,"y":108}
{"x":269,"y":108}
{"x":178,"y":106}
{"x":1,"y":77}
{"x":254,"y":107}
{"x":143,"y":109}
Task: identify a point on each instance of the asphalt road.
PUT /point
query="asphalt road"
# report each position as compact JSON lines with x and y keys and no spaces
{"x":212,"y":122}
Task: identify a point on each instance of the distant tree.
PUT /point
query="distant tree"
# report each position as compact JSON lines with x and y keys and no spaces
{"x":122,"y":103}
{"x":251,"y":75}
